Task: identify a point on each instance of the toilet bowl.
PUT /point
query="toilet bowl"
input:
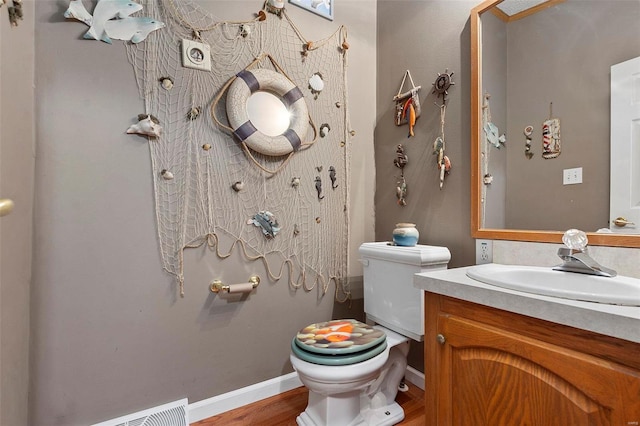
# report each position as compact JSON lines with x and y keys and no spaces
{"x":357,"y":389}
{"x":352,"y":370}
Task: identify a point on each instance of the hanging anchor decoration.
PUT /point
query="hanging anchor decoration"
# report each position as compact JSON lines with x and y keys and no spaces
{"x":400,"y":162}
{"x":441,"y":87}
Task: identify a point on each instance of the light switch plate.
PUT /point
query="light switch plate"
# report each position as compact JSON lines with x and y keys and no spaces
{"x":196,"y":55}
{"x":572,"y":176}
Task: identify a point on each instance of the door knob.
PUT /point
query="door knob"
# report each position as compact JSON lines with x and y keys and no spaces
{"x":621,"y":222}
{"x":6,"y":206}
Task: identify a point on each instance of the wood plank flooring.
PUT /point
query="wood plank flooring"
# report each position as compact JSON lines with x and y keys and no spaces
{"x":284,"y":408}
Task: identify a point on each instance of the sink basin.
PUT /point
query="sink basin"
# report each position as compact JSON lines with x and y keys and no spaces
{"x":567,"y":285}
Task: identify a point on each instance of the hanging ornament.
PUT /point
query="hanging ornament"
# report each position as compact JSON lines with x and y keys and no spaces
{"x":400,"y":162}
{"x":442,"y":84}
{"x":551,"y":136}
{"x":401,"y":191}
{"x":528,"y":131}
{"x":318,"y":182}
{"x":332,"y":176}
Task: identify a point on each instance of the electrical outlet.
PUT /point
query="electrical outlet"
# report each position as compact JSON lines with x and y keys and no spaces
{"x":484,"y":251}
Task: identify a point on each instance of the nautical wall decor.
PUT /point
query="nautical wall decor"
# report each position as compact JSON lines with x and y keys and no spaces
{"x":440,"y":87}
{"x":111,"y":20}
{"x":551,"y":136}
{"x":14,"y":11}
{"x":216,"y":188}
{"x":407,"y":104}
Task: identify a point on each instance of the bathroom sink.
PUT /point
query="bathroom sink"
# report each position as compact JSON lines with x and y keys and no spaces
{"x":567,"y":285}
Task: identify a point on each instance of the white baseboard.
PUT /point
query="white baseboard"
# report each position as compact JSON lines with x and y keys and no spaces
{"x":228,"y":401}
{"x":414,"y":376}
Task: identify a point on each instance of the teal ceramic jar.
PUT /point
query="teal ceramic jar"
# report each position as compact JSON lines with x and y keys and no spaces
{"x":405,"y":234}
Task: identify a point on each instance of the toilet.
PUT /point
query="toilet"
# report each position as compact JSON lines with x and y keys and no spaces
{"x":351,"y":369}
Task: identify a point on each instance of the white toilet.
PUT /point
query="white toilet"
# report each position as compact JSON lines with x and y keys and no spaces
{"x":353,"y":370}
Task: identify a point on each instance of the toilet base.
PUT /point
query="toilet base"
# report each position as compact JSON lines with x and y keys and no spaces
{"x":383,"y":416}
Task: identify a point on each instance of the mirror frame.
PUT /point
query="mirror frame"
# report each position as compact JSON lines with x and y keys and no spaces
{"x":598,"y":239}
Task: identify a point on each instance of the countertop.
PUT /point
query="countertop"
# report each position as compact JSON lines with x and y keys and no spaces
{"x":622,"y":322}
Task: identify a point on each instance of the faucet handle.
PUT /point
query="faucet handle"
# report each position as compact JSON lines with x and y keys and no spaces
{"x":575,"y":239}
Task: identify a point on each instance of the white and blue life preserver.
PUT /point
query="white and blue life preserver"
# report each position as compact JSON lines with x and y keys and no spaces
{"x":245,"y":84}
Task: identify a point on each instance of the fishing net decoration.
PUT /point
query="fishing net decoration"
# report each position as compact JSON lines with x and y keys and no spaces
{"x":199,"y":206}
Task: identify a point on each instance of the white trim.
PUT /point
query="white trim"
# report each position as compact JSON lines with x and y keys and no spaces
{"x":231,"y":400}
{"x":228,"y":401}
{"x":414,"y":376}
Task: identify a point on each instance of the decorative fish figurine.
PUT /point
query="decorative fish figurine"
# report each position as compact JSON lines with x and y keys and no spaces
{"x":319,"y":187}
{"x":135,"y":29}
{"x":147,"y":125}
{"x":109,"y":9}
{"x":267,"y":222}
{"x":332,"y":176}
{"x":77,"y":11}
{"x":316,"y":3}
{"x":104,"y":27}
{"x":409,"y":112}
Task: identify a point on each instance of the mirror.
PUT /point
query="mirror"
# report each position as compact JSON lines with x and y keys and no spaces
{"x":550,"y":75}
{"x":268,"y":113}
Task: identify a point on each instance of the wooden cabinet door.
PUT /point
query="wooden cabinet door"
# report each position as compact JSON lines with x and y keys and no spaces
{"x":487,"y":376}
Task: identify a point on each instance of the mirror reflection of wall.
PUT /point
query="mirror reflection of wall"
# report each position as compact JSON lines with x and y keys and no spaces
{"x":560,"y":55}
{"x":267,"y":113}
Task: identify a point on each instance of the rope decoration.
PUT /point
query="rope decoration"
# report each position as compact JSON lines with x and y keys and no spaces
{"x":205,"y":193}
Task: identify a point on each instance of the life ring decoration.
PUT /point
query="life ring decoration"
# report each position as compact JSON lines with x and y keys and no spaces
{"x":247,"y":82}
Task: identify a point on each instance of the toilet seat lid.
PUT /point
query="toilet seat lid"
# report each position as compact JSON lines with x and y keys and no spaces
{"x":338,"y":359}
{"x":338,"y":337}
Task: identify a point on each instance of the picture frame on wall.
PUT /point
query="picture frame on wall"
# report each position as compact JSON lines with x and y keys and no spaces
{"x":323,"y":8}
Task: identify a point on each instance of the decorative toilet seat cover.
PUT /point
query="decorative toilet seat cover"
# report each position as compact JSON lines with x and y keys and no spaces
{"x":339,"y":337}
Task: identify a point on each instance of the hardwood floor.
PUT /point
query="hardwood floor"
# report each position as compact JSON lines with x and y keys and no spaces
{"x":284,"y":408}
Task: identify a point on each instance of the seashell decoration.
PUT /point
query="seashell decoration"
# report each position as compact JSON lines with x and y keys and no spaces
{"x":206,"y":146}
{"x":324,"y":130}
{"x":166,"y":174}
{"x":295,"y":182}
{"x":167,"y":83}
{"x":238,"y":186}
{"x":316,"y":84}
{"x":245,"y":30}
{"x":147,"y":125}
{"x":193,"y":113}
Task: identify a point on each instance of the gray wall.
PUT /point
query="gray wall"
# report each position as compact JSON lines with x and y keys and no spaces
{"x":426,"y":37}
{"x":109,"y":334}
{"x":494,"y":68}
{"x":16,"y":183}
{"x":565,"y":54}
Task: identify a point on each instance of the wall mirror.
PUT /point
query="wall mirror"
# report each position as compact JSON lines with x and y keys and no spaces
{"x":268,"y":113}
{"x":533,"y":61}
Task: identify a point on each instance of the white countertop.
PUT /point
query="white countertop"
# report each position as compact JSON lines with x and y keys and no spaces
{"x":612,"y":320}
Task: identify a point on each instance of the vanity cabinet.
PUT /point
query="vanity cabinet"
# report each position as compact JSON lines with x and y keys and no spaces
{"x":489,"y":367}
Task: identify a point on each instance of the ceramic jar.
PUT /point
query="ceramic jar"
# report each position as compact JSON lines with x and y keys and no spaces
{"x":405,"y":234}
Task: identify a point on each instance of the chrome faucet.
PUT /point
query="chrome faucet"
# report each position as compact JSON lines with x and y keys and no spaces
{"x":575,"y":257}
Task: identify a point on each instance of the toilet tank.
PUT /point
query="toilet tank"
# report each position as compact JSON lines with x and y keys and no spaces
{"x":390,"y":299}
